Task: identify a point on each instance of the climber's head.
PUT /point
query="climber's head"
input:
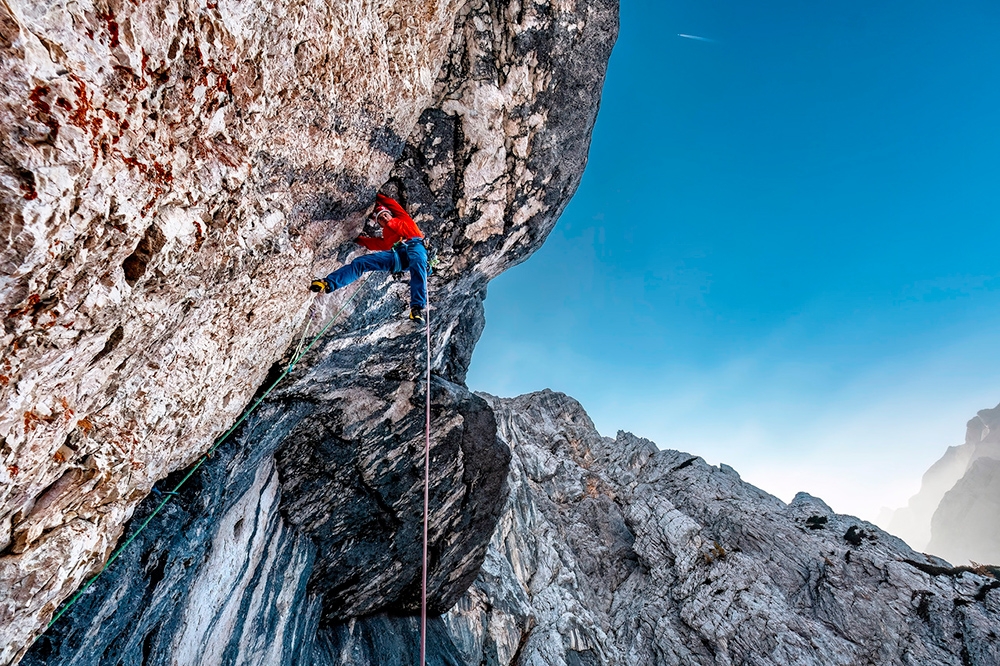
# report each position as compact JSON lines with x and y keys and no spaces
{"x":381,"y":215}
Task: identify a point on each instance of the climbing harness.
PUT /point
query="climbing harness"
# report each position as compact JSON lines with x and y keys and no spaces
{"x":173,"y":493}
{"x":400,"y":260}
{"x":427,"y":484}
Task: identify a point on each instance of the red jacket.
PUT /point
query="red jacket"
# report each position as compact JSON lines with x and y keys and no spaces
{"x":400,"y":227}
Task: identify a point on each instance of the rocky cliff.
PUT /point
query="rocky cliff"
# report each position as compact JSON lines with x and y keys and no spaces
{"x":953,"y":514}
{"x":610,"y":551}
{"x":172,"y":175}
{"x":176,"y":173}
{"x":964,"y":525}
{"x":607,"y":551}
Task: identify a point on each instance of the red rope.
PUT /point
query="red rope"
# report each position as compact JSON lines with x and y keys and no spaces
{"x":427,"y":483}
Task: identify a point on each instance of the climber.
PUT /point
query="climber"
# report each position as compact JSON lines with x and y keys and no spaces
{"x":401,"y":247}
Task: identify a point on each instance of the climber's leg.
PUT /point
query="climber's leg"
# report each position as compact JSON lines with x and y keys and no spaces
{"x":345,"y":275}
{"x":417,"y":254}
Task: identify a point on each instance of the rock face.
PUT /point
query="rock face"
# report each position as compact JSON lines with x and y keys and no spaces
{"x":217,"y":578}
{"x":607,"y":551}
{"x":223,"y":577}
{"x":612,"y":552}
{"x":951,"y":515}
{"x":175,"y":174}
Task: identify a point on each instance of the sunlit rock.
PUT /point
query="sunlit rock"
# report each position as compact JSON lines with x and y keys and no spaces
{"x":172,"y":176}
{"x":612,"y":552}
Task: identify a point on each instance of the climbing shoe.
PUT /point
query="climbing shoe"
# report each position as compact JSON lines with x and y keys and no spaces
{"x":320,"y":285}
{"x":417,"y":313}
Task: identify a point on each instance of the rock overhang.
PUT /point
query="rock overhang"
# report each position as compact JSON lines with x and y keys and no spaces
{"x":207,"y":161}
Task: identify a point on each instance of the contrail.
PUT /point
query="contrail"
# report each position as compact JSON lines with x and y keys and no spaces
{"x":695,"y":37}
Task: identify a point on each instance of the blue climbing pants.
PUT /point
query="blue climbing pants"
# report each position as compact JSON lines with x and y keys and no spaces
{"x":413,"y":253}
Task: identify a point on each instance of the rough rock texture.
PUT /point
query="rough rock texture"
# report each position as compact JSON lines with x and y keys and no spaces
{"x":175,"y":173}
{"x":217,"y":578}
{"x":221,"y":577}
{"x":612,"y":552}
{"x":171,"y":173}
{"x":963,"y":531}
{"x":387,"y":641}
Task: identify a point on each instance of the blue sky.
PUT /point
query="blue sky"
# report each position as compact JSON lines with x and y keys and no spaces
{"x":784,"y":251}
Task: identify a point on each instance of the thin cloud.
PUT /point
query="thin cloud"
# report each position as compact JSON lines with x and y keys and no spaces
{"x":696,"y":38}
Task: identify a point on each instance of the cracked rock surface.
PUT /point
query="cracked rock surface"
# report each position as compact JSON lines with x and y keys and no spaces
{"x":172,"y":175}
{"x":175,"y":173}
{"x":610,"y":551}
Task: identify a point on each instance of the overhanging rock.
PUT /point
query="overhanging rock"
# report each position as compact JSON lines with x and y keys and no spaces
{"x":178,"y":174}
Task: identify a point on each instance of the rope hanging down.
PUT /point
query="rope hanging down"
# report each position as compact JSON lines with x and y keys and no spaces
{"x":427,"y":483}
{"x":173,"y":493}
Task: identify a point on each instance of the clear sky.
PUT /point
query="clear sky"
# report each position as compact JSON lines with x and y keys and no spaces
{"x":785,"y":251}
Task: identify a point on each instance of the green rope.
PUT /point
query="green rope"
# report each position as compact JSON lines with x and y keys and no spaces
{"x":173,"y":493}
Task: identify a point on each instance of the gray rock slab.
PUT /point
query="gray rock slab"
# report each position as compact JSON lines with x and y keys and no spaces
{"x":611,"y":551}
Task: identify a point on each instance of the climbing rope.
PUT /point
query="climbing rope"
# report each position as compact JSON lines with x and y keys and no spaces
{"x":173,"y":493}
{"x":305,"y":333}
{"x":427,"y":483}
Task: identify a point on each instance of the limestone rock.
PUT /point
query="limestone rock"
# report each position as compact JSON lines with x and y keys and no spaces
{"x":612,"y":552}
{"x":171,"y":175}
{"x":176,"y":173}
{"x":225,"y":576}
{"x":218,"y":576}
